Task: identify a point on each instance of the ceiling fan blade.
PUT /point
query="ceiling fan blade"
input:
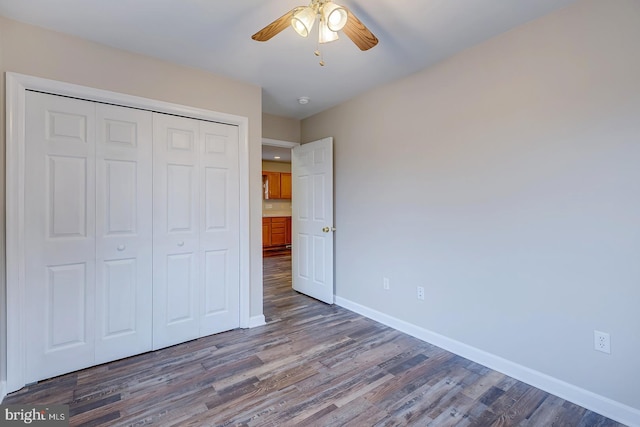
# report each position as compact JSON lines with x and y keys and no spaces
{"x":275,"y":27}
{"x":358,"y":33}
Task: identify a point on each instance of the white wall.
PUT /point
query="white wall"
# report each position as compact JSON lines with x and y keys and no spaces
{"x":506,"y":181}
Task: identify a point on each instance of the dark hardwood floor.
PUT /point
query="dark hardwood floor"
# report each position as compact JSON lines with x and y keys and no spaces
{"x":313,"y":364}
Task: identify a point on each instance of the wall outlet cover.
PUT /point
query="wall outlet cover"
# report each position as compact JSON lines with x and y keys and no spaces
{"x":602,"y":342}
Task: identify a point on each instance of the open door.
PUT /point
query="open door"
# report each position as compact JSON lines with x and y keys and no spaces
{"x":312,"y":219}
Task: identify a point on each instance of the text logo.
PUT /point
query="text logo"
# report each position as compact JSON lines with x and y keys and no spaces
{"x":34,"y":415}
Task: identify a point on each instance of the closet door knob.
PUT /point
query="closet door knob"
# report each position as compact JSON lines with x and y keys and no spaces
{"x":121,"y":248}
{"x":180,"y":243}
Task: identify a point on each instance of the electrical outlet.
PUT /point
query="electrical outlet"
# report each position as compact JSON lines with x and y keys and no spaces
{"x":420,"y":295}
{"x":602,"y":342}
{"x":385,"y":283}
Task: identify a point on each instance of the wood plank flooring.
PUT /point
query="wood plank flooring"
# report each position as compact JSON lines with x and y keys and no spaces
{"x":312,"y":365}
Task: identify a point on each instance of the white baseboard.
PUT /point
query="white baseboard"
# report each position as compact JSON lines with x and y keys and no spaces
{"x":602,"y":405}
{"x":3,"y":390}
{"x":256,"y":321}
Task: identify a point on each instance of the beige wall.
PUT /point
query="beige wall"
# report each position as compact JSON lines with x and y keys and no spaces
{"x":276,"y":166}
{"x":280,"y":128}
{"x":506,"y":181}
{"x":42,"y":53}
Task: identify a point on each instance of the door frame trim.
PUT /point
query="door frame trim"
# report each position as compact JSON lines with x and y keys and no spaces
{"x":16,"y":87}
{"x":279,"y":143}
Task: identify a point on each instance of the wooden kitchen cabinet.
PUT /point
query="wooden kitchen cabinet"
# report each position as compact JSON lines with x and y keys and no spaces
{"x":287,"y":230}
{"x":271,"y":185}
{"x":276,"y":231}
{"x":285,"y":185}
{"x":276,"y":185}
{"x":266,"y":232}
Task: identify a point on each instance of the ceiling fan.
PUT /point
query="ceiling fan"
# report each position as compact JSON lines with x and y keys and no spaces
{"x":332,"y":18}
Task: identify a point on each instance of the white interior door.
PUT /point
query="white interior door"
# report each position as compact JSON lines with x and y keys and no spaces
{"x":312,"y":219}
{"x":219,"y":249}
{"x":59,"y":235}
{"x":123,"y":232}
{"x":176,"y":207}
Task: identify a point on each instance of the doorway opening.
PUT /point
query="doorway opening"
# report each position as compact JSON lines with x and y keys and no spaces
{"x":277,"y":200}
{"x":277,"y":206}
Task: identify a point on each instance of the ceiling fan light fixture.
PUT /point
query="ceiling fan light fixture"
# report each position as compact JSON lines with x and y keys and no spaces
{"x":302,"y":21}
{"x":325,"y":35}
{"x":333,"y":18}
{"x":334,"y":15}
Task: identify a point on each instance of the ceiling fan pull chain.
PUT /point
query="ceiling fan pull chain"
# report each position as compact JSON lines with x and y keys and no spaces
{"x":318,"y":52}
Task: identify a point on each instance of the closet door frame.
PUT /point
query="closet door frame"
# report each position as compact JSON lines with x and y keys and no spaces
{"x":16,"y":87}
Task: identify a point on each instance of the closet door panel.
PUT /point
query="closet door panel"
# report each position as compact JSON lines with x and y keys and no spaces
{"x":180,"y":269}
{"x":132,"y":232}
{"x":60,"y":235}
{"x":123,"y":232}
{"x":219,"y":228}
{"x":176,"y":201}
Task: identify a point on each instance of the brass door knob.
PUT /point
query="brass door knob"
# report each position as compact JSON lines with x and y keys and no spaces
{"x":328,"y":229}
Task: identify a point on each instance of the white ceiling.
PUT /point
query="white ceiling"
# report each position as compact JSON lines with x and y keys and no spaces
{"x":276,"y":154}
{"x":215,"y":35}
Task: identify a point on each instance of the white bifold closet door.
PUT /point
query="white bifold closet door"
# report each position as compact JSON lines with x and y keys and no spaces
{"x":131,"y":232}
{"x":87,"y":233}
{"x":195,"y":229}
